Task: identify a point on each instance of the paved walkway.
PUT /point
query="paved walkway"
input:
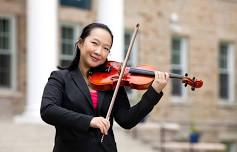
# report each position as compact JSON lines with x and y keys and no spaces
{"x":39,"y":138}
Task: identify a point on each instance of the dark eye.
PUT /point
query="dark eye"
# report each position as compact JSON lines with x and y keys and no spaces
{"x":107,"y":49}
{"x":95,"y":43}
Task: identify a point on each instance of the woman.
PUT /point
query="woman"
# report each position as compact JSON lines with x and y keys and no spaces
{"x":78,"y":112}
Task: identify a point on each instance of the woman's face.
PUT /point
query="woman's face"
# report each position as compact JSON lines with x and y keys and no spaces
{"x":95,"y":48}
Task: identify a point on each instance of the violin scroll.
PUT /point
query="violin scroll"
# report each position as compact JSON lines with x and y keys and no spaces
{"x":192,"y":82}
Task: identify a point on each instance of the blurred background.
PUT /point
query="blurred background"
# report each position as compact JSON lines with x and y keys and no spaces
{"x":197,"y":37}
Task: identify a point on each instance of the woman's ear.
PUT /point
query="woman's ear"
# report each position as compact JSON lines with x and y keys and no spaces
{"x":79,"y":43}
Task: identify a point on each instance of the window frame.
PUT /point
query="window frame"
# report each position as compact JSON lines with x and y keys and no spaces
{"x":76,"y":32}
{"x":182,"y":66}
{"x":12,"y":53}
{"x":230,"y":71}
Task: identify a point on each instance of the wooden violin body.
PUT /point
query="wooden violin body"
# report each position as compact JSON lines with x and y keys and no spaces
{"x":139,"y":78}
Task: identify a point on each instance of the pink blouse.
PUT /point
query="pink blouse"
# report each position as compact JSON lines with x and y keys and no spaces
{"x":94,"y":97}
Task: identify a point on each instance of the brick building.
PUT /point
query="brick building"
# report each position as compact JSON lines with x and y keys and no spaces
{"x":196,"y":36}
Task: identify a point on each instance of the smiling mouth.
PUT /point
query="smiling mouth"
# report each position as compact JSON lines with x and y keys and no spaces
{"x":94,"y":59}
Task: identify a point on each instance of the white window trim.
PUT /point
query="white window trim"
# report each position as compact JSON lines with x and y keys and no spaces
{"x":183,"y":66}
{"x":13,"y":52}
{"x":77,"y":29}
{"x":231,"y":72}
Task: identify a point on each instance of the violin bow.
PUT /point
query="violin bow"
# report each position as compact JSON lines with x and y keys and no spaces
{"x":121,"y":75}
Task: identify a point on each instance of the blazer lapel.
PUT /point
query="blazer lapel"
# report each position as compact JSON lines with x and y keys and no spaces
{"x":81,"y":84}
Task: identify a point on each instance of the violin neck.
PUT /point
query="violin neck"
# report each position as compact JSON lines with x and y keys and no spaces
{"x":152,"y":73}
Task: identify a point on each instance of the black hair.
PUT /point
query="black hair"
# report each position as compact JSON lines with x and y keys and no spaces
{"x":85,"y":33}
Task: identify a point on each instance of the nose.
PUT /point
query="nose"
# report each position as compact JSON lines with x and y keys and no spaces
{"x":98,"y":51}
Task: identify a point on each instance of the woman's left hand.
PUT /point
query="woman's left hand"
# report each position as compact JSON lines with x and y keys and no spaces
{"x":160,"y":81}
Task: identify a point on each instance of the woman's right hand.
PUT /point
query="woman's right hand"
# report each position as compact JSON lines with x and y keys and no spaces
{"x":100,"y":123}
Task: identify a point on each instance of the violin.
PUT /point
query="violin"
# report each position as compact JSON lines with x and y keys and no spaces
{"x":139,"y":78}
{"x":114,"y":74}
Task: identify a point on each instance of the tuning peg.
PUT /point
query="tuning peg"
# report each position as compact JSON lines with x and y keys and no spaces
{"x":90,"y":72}
{"x":108,"y":69}
{"x":186,"y":74}
{"x":194,"y":78}
{"x":192,"y":88}
{"x":186,"y":84}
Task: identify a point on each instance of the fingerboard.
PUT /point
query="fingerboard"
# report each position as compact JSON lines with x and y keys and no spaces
{"x":152,"y":73}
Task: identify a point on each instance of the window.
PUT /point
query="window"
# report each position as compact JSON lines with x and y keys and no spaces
{"x":83,"y":4}
{"x":226,"y":72}
{"x":178,"y":64}
{"x":7,"y":50}
{"x":133,"y":56}
{"x":69,"y":36}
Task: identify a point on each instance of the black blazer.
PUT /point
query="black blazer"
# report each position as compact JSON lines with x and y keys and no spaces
{"x":66,"y":104}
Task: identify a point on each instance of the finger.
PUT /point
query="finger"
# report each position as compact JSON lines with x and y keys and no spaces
{"x":158,"y":75}
{"x":108,"y":122}
{"x":105,"y":124}
{"x":162,"y":76}
{"x":104,"y":121}
{"x":108,"y":126}
{"x":167,"y":76}
{"x":102,"y":127}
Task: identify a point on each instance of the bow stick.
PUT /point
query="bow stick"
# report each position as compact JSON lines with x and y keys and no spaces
{"x":121,"y":75}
